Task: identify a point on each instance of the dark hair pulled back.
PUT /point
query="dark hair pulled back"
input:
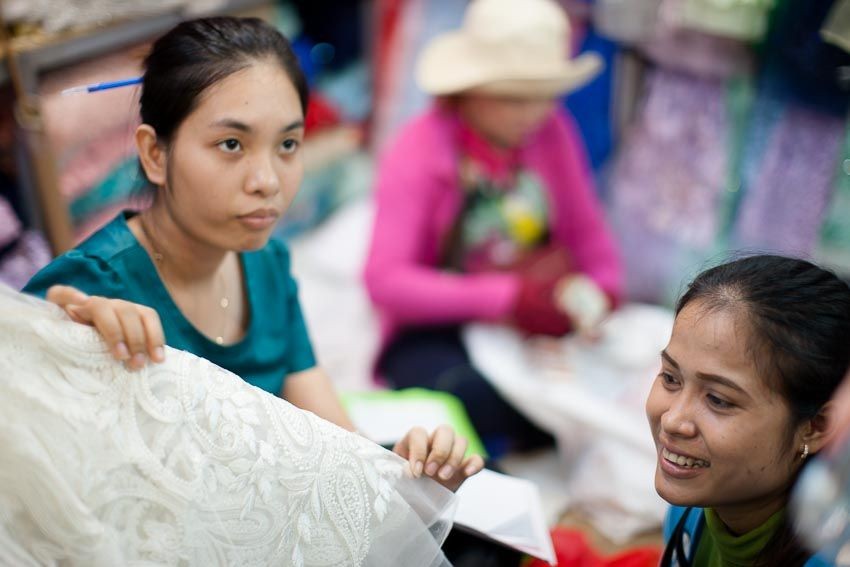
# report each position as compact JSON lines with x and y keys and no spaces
{"x":799,"y":318}
{"x":197,"y":54}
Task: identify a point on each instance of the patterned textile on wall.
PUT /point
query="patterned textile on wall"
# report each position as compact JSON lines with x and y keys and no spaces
{"x":795,"y":135}
{"x":22,"y":252}
{"x":668,"y":182}
{"x":789,"y":187}
{"x":58,"y":15}
{"x":706,"y":55}
{"x":833,"y":247}
{"x":91,"y":136}
{"x":739,"y":19}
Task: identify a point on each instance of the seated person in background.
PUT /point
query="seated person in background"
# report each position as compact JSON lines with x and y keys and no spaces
{"x":222,"y":109}
{"x":486,"y":210}
{"x":758,"y":348}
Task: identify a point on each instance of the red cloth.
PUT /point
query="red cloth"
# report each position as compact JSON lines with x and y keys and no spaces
{"x":572,"y":550}
{"x":535,"y":310}
{"x":388,"y":15}
{"x":320,"y":114}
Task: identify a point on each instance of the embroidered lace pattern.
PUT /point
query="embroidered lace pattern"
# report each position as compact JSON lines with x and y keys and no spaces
{"x":183,"y":463}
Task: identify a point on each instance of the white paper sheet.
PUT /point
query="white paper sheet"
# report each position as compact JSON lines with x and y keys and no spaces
{"x":505,"y":509}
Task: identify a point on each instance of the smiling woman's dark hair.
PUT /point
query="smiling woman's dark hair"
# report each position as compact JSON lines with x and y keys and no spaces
{"x":799,"y":322}
{"x":798,"y":316}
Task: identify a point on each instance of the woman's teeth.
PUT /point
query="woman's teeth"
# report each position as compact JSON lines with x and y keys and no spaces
{"x":683,"y":461}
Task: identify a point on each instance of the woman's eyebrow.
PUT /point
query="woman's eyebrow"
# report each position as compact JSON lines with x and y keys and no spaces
{"x":234,"y":124}
{"x":706,"y":377}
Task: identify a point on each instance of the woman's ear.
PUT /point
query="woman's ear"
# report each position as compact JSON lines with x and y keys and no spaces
{"x":817,"y":431}
{"x":152,"y":154}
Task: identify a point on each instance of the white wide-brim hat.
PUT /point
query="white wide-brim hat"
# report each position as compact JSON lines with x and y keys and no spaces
{"x":510,"y":47}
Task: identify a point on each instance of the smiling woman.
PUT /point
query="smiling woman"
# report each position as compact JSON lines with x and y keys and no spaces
{"x":740,"y":403}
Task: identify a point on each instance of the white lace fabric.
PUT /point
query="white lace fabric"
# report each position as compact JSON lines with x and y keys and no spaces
{"x":183,"y":463}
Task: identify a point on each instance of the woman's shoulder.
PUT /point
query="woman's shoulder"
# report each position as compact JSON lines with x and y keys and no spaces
{"x":92,"y":265}
{"x":112,"y":239}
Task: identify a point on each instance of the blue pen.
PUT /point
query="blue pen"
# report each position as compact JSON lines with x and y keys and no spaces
{"x":103,"y":86}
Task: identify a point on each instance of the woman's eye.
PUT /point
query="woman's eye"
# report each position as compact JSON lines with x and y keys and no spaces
{"x":718,"y":403}
{"x":289,"y":146}
{"x":230,"y":145}
{"x":668,"y":379}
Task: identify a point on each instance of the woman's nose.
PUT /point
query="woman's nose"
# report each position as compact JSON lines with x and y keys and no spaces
{"x":263,"y":178}
{"x":678,"y":419}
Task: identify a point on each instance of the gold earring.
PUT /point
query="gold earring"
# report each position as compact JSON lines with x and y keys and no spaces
{"x":805,"y":452}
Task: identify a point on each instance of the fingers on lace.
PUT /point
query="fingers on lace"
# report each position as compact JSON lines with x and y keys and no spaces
{"x":452,"y":464}
{"x":154,"y":333}
{"x":133,"y":329}
{"x":473,"y":465}
{"x":442,"y":440}
{"x":63,"y":295}
{"x":106,"y":321}
{"x":414,"y":448}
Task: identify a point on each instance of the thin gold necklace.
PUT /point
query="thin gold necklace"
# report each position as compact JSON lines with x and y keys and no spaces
{"x":159,"y":259}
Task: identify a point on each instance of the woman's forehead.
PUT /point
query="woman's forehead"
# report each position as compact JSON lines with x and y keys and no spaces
{"x":261,"y":94}
{"x":717,"y":341}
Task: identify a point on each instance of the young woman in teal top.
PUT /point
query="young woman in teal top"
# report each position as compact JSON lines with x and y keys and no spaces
{"x":113,"y":263}
{"x":741,"y":402}
{"x":222,"y":111}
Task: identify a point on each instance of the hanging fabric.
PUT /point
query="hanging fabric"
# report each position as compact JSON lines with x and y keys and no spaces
{"x":625,"y":21}
{"x":668,"y":182}
{"x":739,"y":19}
{"x":836,"y":29}
{"x":833,"y":249}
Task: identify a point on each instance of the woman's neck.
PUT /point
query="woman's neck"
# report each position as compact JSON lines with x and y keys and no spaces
{"x":188,"y":259}
{"x":743,"y":519}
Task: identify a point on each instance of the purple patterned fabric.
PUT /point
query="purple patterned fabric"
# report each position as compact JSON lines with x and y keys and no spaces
{"x":666,"y":183}
{"x":10,"y":227}
{"x":29,"y":255}
{"x":790,"y":187}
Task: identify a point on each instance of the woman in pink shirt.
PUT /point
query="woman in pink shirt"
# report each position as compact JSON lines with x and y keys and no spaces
{"x":486,"y":211}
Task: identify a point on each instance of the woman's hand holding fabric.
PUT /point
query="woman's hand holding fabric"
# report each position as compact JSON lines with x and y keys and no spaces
{"x":439,"y":455}
{"x":132,"y":331}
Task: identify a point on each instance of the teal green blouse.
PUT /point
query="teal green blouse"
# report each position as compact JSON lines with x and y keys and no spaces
{"x":112,"y":263}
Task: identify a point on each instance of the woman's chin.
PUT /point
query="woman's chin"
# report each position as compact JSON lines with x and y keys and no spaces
{"x":675,"y":495}
{"x":253,"y":242}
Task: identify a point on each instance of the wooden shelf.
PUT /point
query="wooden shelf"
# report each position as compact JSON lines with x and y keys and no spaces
{"x":38,"y":53}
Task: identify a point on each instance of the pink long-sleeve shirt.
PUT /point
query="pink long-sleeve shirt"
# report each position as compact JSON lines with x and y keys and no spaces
{"x":418,"y":198}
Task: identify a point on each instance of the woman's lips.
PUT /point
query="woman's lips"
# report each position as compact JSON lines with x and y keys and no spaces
{"x":259,"y":219}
